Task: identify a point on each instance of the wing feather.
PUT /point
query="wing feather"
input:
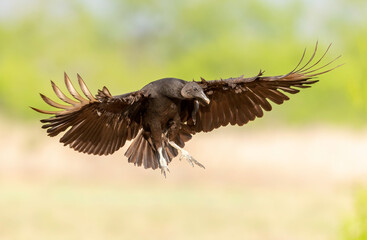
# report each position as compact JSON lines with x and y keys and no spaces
{"x":232,"y":108}
{"x":243,"y":113}
{"x":227,"y":114}
{"x":240,"y":100}
{"x":95,"y":125}
{"x":61,"y":95}
{"x":72,"y":90}
{"x":255,"y":95}
{"x":215,"y":113}
{"x":85,"y":89}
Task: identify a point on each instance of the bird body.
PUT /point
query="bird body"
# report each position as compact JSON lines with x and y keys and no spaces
{"x":164,"y":114}
{"x":163,"y":104}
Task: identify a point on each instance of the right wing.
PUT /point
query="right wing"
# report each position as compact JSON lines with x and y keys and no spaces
{"x":97,"y":125}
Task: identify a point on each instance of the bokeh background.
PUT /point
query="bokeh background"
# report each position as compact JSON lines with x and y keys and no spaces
{"x":298,"y":173}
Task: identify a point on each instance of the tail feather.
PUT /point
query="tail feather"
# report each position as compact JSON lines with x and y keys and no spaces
{"x":132,"y":151}
{"x":144,"y":148}
{"x":140,"y":152}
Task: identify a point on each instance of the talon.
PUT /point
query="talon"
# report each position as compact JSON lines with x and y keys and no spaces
{"x":187,"y":158}
{"x":190,"y":162}
{"x":164,"y":169}
{"x":186,"y":155}
{"x":199,"y":164}
{"x":190,"y":159}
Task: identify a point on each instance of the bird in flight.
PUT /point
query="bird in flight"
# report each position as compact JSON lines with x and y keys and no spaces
{"x":164,"y":114}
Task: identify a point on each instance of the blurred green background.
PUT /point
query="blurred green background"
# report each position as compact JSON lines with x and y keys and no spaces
{"x":313,"y":148}
{"x":127,"y":44}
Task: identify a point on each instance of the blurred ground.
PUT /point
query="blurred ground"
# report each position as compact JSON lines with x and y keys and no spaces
{"x":258,"y":184}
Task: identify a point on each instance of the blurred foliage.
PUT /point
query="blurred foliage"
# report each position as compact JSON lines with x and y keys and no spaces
{"x":355,"y":228}
{"x":127,"y":44}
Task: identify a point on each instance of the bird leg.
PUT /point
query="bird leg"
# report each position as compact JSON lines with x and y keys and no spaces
{"x":185,"y":155}
{"x":162,"y":162}
{"x":195,"y":110}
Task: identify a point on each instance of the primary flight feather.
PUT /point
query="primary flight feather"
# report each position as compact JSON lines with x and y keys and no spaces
{"x":164,"y":114}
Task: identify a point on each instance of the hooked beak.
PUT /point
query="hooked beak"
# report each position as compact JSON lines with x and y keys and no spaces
{"x":204,"y":98}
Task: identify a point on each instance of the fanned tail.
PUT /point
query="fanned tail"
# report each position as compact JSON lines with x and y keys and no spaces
{"x":142,"y":153}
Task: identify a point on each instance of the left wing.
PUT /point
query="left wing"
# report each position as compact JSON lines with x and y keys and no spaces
{"x":240,"y":100}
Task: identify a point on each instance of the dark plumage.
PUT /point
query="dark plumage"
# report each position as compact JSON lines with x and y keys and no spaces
{"x":165,"y":114}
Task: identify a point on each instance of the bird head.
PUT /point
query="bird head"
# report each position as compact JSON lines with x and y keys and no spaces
{"x":192,"y":90}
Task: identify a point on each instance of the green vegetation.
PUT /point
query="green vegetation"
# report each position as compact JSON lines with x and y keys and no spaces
{"x":356,"y":227}
{"x":126,"y":44}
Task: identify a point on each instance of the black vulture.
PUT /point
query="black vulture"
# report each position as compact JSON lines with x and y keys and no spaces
{"x":164,"y":114}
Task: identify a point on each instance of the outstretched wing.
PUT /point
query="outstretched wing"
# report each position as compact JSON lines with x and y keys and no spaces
{"x":240,"y":100}
{"x":96,"y":125}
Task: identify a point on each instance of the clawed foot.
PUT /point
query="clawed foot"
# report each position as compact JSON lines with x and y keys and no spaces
{"x":190,"y":159}
{"x":185,"y":155}
{"x":164,"y":169}
{"x":162,"y":163}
